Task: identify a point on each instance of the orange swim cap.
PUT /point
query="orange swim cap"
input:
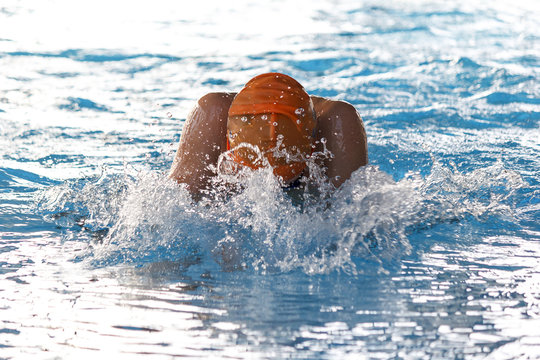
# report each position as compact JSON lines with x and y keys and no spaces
{"x":274,"y":113}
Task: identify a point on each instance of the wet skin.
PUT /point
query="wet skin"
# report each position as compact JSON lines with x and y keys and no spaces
{"x":204,"y":139}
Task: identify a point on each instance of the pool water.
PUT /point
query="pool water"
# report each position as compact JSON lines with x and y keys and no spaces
{"x":432,"y":251}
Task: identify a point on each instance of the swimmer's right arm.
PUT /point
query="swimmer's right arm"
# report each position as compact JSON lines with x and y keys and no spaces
{"x":203,"y":139}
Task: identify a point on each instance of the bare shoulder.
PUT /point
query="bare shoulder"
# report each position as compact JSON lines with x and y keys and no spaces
{"x":216,"y":100}
{"x":337,"y":115}
{"x":341,"y":126}
{"x":324,"y":107}
{"x":202,"y":141}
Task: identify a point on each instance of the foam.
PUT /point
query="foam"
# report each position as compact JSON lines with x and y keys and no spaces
{"x":253,"y":224}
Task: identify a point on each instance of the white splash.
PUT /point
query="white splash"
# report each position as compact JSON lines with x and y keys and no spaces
{"x":251,"y":222}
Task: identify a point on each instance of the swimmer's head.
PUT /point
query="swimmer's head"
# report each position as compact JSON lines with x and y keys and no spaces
{"x":274,"y":113}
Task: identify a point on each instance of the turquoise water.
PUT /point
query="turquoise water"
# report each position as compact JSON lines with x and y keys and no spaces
{"x":430,"y":252}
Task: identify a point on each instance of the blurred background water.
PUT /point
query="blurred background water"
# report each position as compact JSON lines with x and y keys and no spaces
{"x":432,"y":251}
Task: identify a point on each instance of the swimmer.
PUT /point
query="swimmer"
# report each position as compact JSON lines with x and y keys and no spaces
{"x":274,"y":113}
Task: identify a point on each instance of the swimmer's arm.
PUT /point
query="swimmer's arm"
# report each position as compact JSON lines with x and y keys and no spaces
{"x":340,"y":124}
{"x":203,"y":140}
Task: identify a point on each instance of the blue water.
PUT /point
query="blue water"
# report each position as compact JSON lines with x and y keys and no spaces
{"x":430,"y":252}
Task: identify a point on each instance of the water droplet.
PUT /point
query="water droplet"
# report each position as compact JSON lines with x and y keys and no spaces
{"x":250,"y":157}
{"x":244,"y":118}
{"x":298,"y":122}
{"x":280,"y":137}
{"x":274,"y":123}
{"x":264,"y":117}
{"x":299,"y":111}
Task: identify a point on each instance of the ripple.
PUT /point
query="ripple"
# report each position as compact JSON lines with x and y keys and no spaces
{"x":87,"y":56}
{"x":78,"y":104}
{"x":501,"y":98}
{"x":10,"y":177}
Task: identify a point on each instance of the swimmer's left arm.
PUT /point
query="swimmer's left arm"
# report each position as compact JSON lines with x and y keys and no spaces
{"x":341,"y":126}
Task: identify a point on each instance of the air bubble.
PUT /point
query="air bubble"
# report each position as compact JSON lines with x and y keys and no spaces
{"x":280,"y":137}
{"x":298,"y":121}
{"x":274,"y":123}
{"x":264,"y":117}
{"x":244,"y":118}
{"x":169,"y":115}
{"x":299,"y":111}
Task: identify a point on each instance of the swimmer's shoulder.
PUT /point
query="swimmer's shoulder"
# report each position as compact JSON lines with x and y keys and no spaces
{"x":341,"y":126}
{"x":214,"y":100}
{"x":324,"y":107}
